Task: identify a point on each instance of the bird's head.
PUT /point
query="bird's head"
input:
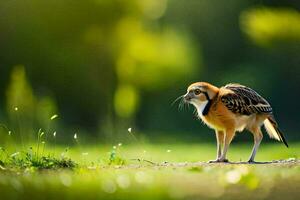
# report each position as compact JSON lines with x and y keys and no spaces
{"x":200,"y":93}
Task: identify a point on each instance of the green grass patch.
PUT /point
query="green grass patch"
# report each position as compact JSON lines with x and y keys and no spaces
{"x":149,"y":171}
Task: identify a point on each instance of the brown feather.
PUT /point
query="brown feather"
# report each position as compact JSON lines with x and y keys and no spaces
{"x":244,"y":100}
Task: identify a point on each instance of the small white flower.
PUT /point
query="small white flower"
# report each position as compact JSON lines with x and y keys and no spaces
{"x":120,"y":144}
{"x":75,"y":136}
{"x":54,"y":117}
{"x":9,"y":132}
{"x":54,"y":134}
{"x":129,"y":130}
{"x":168,"y":151}
{"x":16,"y":108}
{"x":114,"y":147}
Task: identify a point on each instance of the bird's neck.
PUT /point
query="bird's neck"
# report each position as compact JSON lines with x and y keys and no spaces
{"x":202,"y":108}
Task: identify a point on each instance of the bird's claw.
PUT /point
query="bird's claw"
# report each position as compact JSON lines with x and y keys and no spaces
{"x":251,"y":162}
{"x":218,"y":161}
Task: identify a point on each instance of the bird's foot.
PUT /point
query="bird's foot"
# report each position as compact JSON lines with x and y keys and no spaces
{"x":213,"y":161}
{"x":218,"y":160}
{"x":252,"y":161}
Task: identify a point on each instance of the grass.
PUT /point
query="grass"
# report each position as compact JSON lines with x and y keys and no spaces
{"x":143,"y":171}
{"x":30,"y":161}
{"x":149,"y":171}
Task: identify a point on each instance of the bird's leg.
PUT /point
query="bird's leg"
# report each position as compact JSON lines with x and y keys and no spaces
{"x":257,"y":139}
{"x":220,"y":142}
{"x":227,"y":140}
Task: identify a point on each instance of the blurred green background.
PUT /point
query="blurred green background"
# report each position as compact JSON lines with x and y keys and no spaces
{"x":106,"y":65}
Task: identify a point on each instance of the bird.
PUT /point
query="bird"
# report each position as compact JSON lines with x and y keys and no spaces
{"x":233,"y":108}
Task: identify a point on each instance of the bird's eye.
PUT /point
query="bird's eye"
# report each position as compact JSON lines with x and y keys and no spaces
{"x":197,"y":91}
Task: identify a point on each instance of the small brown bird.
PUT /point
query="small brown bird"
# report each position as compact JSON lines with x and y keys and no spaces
{"x":233,"y":108}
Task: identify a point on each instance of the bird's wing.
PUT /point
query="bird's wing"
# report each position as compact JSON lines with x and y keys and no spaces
{"x":244,"y":100}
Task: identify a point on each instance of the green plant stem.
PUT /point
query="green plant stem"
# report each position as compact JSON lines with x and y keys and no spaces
{"x":19,"y":130}
{"x":38,"y":145}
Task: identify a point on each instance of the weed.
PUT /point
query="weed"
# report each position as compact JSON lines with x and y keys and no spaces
{"x":29,"y":160}
{"x":34,"y":158}
{"x":114,"y":156}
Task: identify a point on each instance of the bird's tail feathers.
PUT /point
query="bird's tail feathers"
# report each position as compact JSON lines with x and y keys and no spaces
{"x":273,"y":130}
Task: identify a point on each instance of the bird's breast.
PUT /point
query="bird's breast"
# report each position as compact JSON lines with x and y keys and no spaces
{"x":212,"y":122}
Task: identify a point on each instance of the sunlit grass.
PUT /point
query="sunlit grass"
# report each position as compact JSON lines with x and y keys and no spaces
{"x":122,"y":171}
{"x":121,"y":154}
{"x":138,"y":170}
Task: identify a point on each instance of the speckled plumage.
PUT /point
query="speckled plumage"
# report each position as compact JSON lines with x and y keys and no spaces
{"x":245,"y":100}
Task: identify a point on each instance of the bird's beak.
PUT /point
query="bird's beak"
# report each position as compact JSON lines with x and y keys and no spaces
{"x":187,"y":97}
